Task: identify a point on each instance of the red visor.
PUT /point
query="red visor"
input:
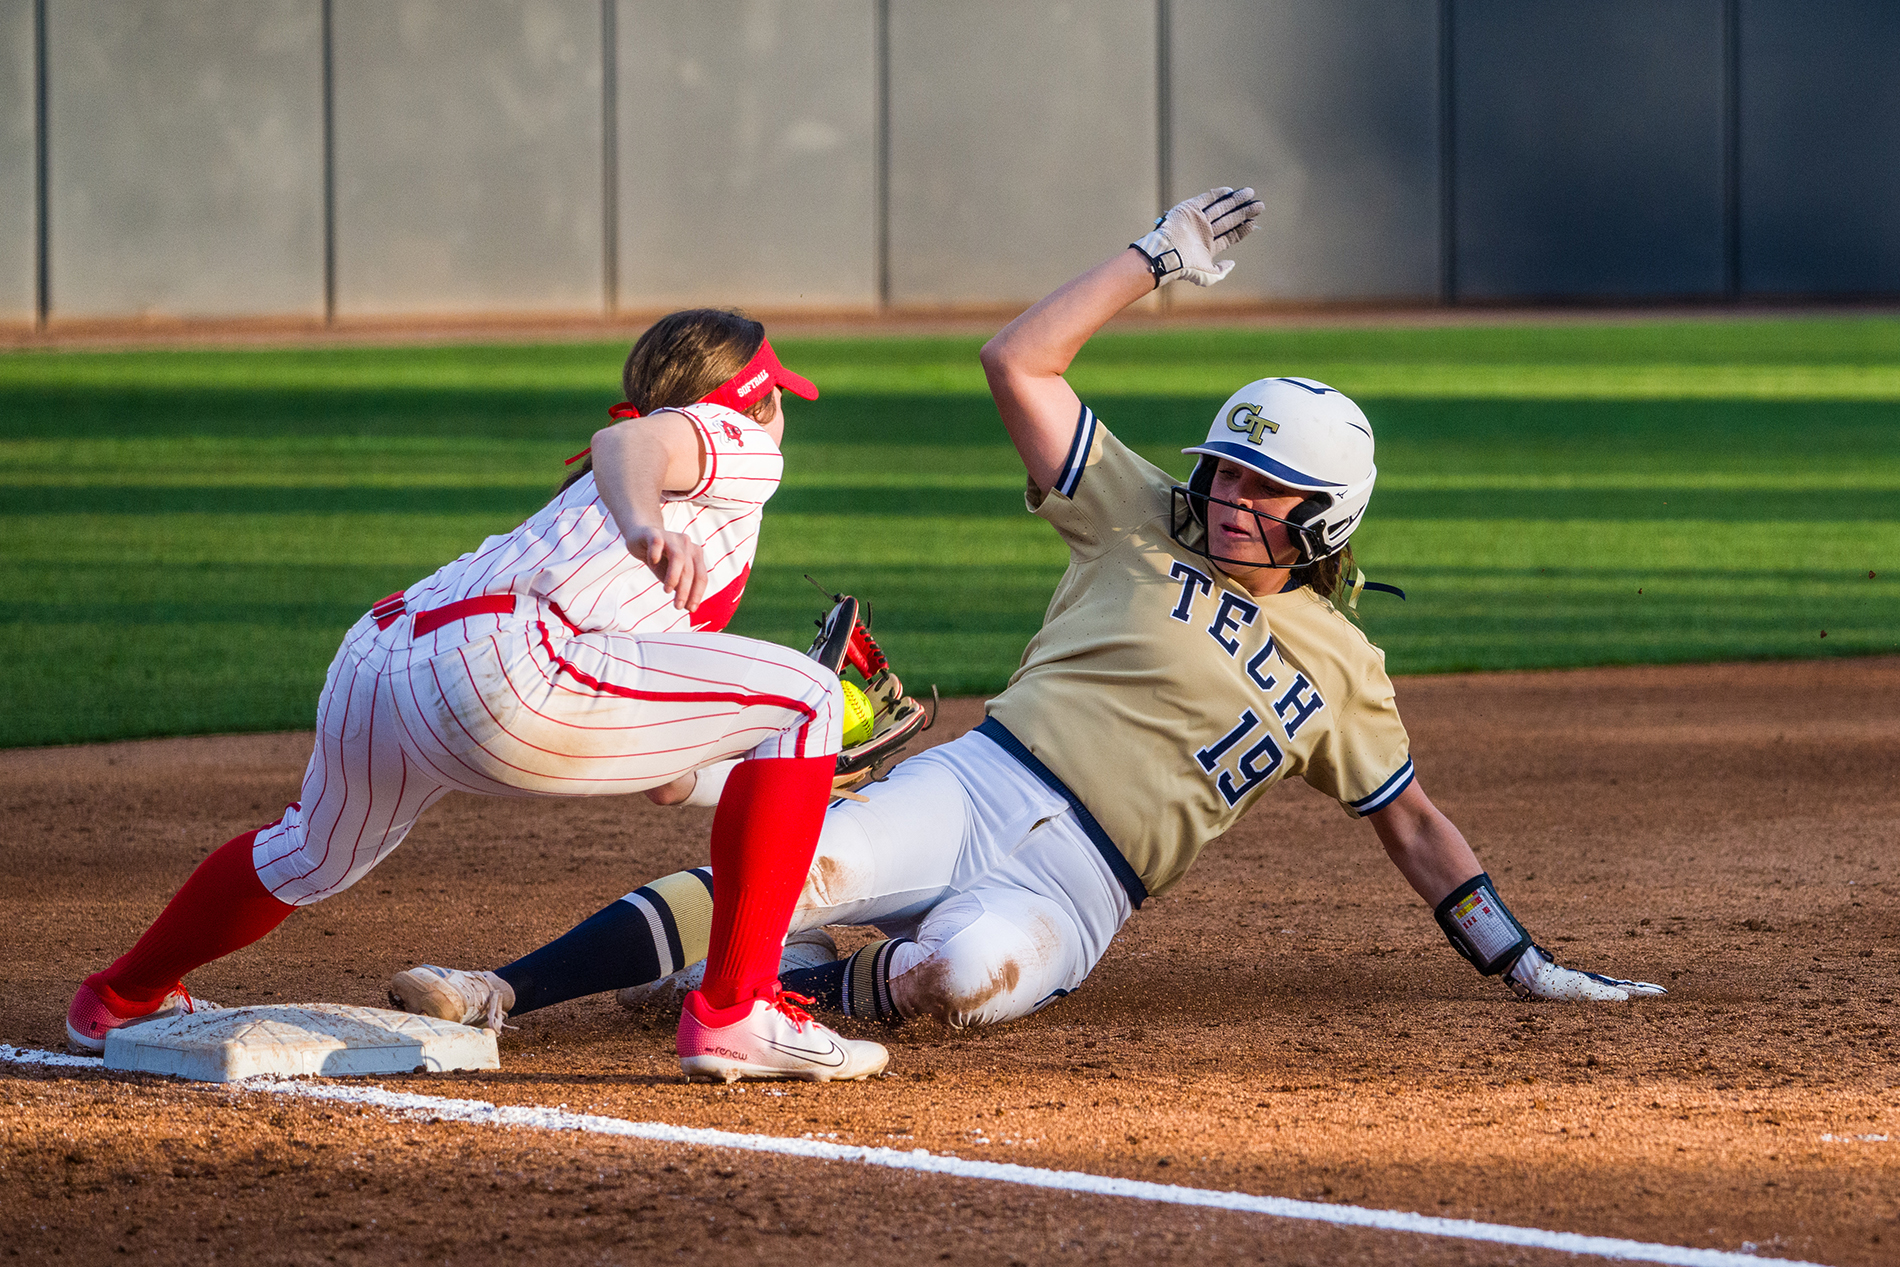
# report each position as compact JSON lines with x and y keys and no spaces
{"x":755,"y":382}
{"x":746,"y":388}
{"x":740,"y":392}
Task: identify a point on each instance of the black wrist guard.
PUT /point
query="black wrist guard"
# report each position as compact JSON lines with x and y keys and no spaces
{"x":1481,"y":927}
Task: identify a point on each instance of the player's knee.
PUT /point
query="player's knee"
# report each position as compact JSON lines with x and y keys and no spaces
{"x":301,"y":867}
{"x":990,"y":971}
{"x":843,"y":870}
{"x":958,"y":991}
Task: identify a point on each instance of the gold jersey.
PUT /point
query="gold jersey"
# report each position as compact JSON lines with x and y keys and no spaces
{"x":1167,"y":698}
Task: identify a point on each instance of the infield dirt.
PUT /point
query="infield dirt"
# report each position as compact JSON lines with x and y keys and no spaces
{"x":1288,"y":1022}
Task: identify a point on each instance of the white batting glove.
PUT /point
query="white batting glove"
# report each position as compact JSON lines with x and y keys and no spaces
{"x":1185,"y":241}
{"x":1536,"y":975}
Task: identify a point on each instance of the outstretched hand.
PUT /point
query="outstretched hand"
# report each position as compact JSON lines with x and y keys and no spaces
{"x":1537,"y":975}
{"x":1184,"y":242}
{"x":675,"y":559}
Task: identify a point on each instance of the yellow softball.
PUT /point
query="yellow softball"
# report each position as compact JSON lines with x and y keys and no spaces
{"x":858,"y":715}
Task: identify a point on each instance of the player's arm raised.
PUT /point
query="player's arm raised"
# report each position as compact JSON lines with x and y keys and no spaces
{"x":1026,"y":360}
{"x":1432,"y":854}
{"x":636,"y":461}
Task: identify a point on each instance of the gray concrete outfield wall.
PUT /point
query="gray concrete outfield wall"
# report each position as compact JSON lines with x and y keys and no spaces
{"x":747,"y":159}
{"x":1589,"y":148}
{"x":1023,"y":143}
{"x":1329,"y":108}
{"x":843,"y":153}
{"x":468,"y":156}
{"x":18,"y":183}
{"x":185,"y":157}
{"x":1820,"y":160}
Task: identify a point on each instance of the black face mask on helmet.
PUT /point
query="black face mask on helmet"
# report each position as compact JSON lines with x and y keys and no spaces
{"x":1188,"y":513}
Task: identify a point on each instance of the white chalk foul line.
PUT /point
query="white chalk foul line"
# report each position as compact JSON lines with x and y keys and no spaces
{"x":483,"y":1113}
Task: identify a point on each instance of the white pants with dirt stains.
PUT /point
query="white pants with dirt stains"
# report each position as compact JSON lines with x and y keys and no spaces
{"x":963,"y":850}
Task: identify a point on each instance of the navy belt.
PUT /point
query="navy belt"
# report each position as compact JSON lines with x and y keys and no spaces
{"x":1124,"y":874}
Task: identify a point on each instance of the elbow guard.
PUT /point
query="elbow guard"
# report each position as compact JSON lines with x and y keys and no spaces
{"x":1481,"y":927}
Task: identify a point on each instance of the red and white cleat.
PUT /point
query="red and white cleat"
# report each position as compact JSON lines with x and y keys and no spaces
{"x":93,"y":1015}
{"x":776,"y":1039}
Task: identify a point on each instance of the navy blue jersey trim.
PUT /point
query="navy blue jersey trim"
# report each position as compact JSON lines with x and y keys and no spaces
{"x":1078,"y":459}
{"x":1247,"y":455}
{"x":1124,"y":874}
{"x":1387,"y":792}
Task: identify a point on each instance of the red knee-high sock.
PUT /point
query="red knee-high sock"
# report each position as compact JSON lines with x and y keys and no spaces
{"x":764,"y":834}
{"x":223,"y":907}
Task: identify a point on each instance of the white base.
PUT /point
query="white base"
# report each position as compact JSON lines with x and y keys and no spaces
{"x":329,"y":1039}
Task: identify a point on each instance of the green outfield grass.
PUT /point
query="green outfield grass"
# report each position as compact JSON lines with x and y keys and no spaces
{"x":184,"y":536}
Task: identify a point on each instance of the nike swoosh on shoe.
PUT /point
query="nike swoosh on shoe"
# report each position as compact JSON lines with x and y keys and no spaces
{"x":817,"y":1056}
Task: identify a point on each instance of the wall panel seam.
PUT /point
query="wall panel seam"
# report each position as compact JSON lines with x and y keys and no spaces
{"x":610,"y":154}
{"x":881,"y":150}
{"x":1447,"y":155}
{"x":1731,"y":149}
{"x":328,"y":126}
{"x":42,"y":169}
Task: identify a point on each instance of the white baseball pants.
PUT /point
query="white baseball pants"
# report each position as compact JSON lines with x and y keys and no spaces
{"x":529,"y":710}
{"x":966,"y":852}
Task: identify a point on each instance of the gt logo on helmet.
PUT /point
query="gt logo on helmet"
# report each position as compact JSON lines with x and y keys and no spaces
{"x":1247,"y":418}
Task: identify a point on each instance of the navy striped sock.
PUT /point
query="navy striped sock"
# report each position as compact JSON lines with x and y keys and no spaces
{"x":859,"y":985}
{"x":652,"y":932}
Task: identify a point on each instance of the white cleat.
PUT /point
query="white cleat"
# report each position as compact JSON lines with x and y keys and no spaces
{"x":450,"y":994}
{"x":776,"y":1039}
{"x":807,"y":948}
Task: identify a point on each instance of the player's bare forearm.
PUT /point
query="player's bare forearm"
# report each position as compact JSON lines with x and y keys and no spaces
{"x":1426,"y":847}
{"x":635,"y":462}
{"x":1026,"y":360}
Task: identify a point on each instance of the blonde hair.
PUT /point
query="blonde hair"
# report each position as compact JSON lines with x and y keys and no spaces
{"x":1329,"y":576}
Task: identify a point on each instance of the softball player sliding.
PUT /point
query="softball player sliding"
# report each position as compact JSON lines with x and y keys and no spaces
{"x":1190,"y":660}
{"x":578,"y":655}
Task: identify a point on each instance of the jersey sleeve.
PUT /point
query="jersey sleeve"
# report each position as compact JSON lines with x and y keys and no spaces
{"x":1364,"y":760}
{"x":742,"y":465}
{"x":1105,"y":490}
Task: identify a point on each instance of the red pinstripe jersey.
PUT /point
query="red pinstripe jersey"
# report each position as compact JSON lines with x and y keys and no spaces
{"x":571,"y":555}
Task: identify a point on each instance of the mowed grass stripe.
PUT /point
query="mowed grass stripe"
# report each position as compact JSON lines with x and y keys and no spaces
{"x":186,"y":535}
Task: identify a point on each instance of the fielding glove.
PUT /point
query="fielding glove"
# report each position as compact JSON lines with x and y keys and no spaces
{"x":1184,"y":242}
{"x":845,"y":641}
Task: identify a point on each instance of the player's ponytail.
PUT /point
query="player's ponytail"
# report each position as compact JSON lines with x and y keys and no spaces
{"x":1326,"y":575}
{"x":682,"y":357}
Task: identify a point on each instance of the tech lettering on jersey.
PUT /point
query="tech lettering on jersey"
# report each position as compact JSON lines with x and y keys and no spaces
{"x":1191,"y":579}
{"x":1294,"y":707}
{"x":1231,"y":605}
{"x":1302,"y":708}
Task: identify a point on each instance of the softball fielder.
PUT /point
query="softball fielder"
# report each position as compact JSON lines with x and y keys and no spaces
{"x":578,"y":655}
{"x":1190,"y":659}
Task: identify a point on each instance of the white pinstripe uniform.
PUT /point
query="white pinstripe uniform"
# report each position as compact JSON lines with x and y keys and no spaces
{"x":551,"y":662}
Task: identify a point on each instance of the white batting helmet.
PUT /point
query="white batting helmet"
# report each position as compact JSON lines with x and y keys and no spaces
{"x":1301,"y":434}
